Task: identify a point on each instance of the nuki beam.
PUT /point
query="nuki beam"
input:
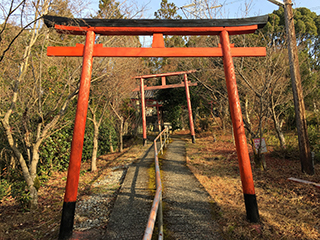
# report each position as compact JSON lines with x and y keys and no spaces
{"x":165,"y":86}
{"x":100,"y":51}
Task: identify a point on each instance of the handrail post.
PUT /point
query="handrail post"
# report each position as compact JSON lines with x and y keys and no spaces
{"x":161,"y":148}
{"x":167,"y":135}
{"x":160,"y":218}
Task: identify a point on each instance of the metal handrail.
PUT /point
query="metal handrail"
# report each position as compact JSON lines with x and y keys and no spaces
{"x":157,"y":201}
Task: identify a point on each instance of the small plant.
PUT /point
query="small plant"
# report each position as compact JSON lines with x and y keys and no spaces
{"x":314,"y":138}
{"x":290,"y":152}
{"x":83,"y":172}
{"x":21,"y":194}
{"x":4,"y":188}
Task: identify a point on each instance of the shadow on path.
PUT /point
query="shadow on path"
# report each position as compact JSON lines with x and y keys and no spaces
{"x":131,"y":210}
{"x":187,"y":211}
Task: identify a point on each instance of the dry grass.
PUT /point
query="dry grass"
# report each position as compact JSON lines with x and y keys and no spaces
{"x":287,"y":210}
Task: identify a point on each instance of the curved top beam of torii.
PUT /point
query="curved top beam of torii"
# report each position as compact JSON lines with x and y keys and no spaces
{"x":157,"y":28}
{"x":79,"y":26}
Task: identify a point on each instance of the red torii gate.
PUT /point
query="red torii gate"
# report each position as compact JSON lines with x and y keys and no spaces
{"x":157,"y":105}
{"x":164,"y":85}
{"x":157,"y":28}
{"x":152,"y":104}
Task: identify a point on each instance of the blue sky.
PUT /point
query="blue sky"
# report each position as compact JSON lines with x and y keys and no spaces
{"x":230,"y":9}
{"x":235,"y":8}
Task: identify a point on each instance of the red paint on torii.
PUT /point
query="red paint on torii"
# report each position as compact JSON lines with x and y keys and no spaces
{"x":158,"y":47}
{"x":89,"y":27}
{"x":100,"y":51}
{"x":165,"y":86}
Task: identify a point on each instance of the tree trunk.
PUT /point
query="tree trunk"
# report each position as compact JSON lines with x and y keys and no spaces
{"x":121,"y":135}
{"x":280,"y":135}
{"x":35,"y":184}
{"x":12,"y":162}
{"x":95,"y":148}
{"x":260,"y":161}
{"x":277,"y":126}
{"x":34,"y":197}
{"x":316,"y":112}
{"x":26,"y":172}
{"x":259,"y":158}
{"x":304,"y":145}
{"x":110,"y":143}
{"x":224,"y":117}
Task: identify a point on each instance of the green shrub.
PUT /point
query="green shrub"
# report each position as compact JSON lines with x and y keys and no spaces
{"x":104,"y":145}
{"x":290,"y":119}
{"x":55,"y":150}
{"x":314,"y":138}
{"x":19,"y":189}
{"x":290,"y":152}
{"x":4,"y":188}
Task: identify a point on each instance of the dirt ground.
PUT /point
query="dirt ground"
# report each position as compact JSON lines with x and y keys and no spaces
{"x":288,"y":210}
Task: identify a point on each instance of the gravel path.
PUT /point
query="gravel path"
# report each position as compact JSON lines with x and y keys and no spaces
{"x":130,"y":214}
{"x":94,"y":211}
{"x":187,"y":211}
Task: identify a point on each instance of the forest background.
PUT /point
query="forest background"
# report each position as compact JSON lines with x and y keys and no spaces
{"x":38,"y":94}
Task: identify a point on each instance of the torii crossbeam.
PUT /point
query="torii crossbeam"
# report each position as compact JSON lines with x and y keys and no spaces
{"x":164,"y":85}
{"x":157,"y":28}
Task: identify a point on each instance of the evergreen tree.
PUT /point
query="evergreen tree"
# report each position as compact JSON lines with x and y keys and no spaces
{"x":109,"y":9}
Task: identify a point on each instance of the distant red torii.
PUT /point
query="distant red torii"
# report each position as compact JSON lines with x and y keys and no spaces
{"x":152,"y":104}
{"x":164,"y":85}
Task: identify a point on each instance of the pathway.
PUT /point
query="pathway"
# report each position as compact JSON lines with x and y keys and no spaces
{"x":187,"y":211}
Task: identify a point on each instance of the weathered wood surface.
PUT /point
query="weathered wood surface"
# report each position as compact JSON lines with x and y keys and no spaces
{"x":50,"y":21}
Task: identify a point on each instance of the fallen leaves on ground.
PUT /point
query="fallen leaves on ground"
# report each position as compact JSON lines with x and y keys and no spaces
{"x":287,"y":210}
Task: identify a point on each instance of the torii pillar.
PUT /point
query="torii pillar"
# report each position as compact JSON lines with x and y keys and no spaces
{"x":143,"y":112}
{"x":193,"y":134}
